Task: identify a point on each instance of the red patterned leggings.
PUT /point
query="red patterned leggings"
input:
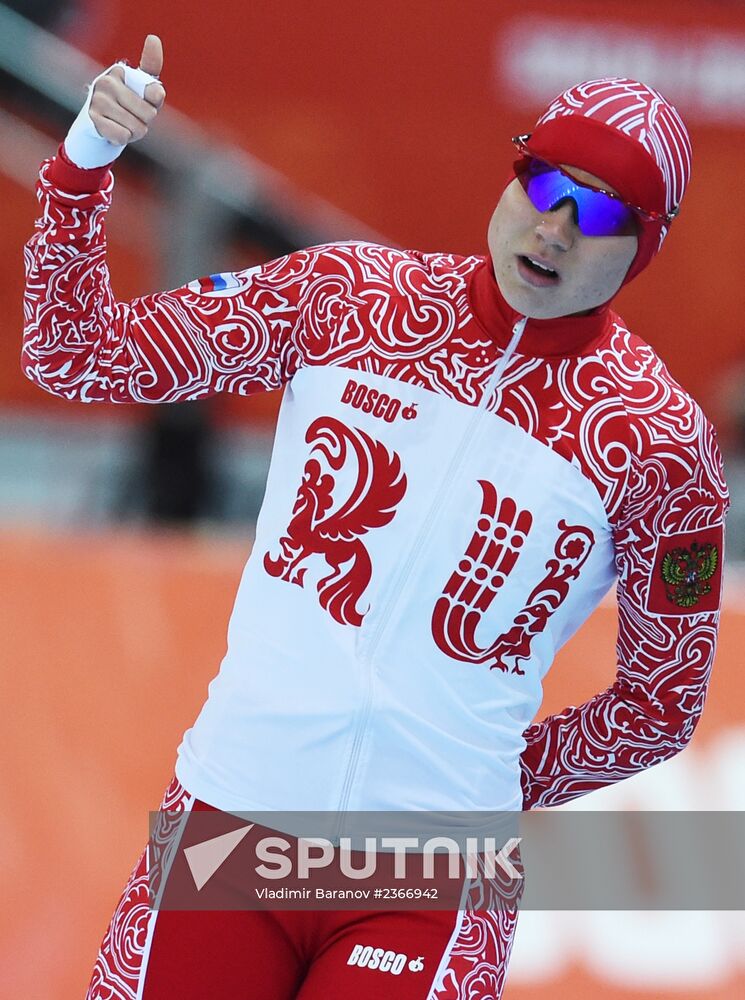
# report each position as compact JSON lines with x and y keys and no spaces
{"x":282,"y":955}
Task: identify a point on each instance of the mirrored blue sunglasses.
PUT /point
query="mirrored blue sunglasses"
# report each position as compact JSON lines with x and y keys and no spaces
{"x":596,"y":212}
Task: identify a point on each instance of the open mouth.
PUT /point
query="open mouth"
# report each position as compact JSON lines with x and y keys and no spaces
{"x":536,"y":273}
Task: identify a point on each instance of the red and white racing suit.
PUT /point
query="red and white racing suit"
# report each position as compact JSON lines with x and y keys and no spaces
{"x":452,"y":491}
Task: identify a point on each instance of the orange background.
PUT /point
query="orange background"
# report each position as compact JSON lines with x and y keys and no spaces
{"x":110,"y":641}
{"x":397,"y":113}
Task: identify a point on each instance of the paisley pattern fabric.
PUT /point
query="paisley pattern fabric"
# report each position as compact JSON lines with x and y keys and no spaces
{"x":122,"y":958}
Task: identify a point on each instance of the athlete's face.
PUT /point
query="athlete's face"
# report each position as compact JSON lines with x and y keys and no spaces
{"x":589,"y":269}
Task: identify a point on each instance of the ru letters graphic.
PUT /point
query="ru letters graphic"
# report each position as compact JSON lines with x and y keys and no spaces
{"x":498,"y":540}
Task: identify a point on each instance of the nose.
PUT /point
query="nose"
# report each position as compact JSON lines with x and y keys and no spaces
{"x":558,"y":227}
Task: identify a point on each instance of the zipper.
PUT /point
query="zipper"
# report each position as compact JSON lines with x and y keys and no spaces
{"x":458,"y":459}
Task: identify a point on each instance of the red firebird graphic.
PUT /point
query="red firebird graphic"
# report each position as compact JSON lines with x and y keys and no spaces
{"x":501,"y":532}
{"x":331,"y":526}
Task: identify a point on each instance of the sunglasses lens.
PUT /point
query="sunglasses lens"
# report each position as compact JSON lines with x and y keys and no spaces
{"x":595,"y":213}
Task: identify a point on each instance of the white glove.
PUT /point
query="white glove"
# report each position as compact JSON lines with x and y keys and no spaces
{"x":83,"y":145}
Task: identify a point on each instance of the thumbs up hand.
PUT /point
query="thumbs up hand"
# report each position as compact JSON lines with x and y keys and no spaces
{"x":121,"y":106}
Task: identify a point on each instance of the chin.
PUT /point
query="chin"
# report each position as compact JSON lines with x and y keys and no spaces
{"x":526,"y":303}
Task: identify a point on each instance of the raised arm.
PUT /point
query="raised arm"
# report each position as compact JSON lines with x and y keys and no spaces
{"x":669,"y":549}
{"x":237,"y":332}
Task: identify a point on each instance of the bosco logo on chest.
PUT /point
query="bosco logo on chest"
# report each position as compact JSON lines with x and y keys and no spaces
{"x":373,"y":401}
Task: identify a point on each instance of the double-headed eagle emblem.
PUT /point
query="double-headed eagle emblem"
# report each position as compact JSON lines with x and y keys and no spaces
{"x":686,"y":573}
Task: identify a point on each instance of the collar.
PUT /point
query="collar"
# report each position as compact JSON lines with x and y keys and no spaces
{"x":567,"y":336}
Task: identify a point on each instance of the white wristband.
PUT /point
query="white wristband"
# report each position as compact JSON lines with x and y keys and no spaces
{"x":83,"y":145}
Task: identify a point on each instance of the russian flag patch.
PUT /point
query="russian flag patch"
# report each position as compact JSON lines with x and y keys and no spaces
{"x":222,"y":285}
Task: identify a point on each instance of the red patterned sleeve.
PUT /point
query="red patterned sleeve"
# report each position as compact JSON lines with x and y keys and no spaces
{"x":669,"y":548}
{"x":239,"y":332}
